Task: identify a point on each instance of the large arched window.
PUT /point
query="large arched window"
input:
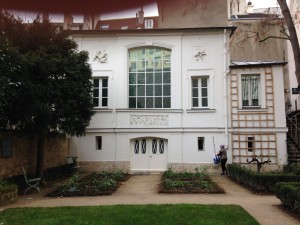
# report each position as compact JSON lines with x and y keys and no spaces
{"x":149,"y":78}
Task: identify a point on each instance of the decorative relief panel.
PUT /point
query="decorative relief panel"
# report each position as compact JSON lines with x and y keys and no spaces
{"x":101,"y":56}
{"x":199,"y":54}
{"x":147,"y":120}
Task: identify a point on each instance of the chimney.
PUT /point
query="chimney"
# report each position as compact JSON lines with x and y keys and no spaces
{"x":68,"y":21}
{"x":250,"y":7}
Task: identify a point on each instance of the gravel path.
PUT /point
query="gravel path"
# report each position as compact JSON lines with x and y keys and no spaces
{"x":142,"y":189}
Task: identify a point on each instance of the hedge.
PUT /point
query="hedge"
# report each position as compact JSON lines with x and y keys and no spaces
{"x":289,"y":195}
{"x":8,"y":193}
{"x":259,"y":182}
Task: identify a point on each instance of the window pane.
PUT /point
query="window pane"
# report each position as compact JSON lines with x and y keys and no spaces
{"x":158,"y":102}
{"x":96,"y":82}
{"x":149,"y":90}
{"x":158,"y":90}
{"x":104,"y":92}
{"x":132,"y":102}
{"x":195,"y":102}
{"x":204,"y":82}
{"x":194,"y":82}
{"x":132,"y":55}
{"x":104,"y":102}
{"x":167,"y":77}
{"x":195,"y":92}
{"x":149,"y":102}
{"x":132,"y":90}
{"x":204,"y":102}
{"x":140,"y":102}
{"x":158,"y":78}
{"x":204,"y":92}
{"x":166,"y":54}
{"x":141,"y":90}
{"x":95,"y":93}
{"x":132,"y":66}
{"x":167,"y":65}
{"x":167,"y":102}
{"x":105,"y":82}
{"x":141,"y":78}
{"x":149,"y":78}
{"x":167,"y":90}
{"x":141,"y":66}
{"x":132,"y":78}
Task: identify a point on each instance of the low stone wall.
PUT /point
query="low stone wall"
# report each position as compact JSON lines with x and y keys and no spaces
{"x":191,"y":167}
{"x":24,"y":153}
{"x":98,"y":166}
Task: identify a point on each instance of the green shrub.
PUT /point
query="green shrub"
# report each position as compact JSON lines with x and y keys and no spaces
{"x":289,"y":195}
{"x":259,"y":182}
{"x":292,"y":168}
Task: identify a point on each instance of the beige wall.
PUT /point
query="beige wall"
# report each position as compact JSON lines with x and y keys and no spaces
{"x":249,"y":49}
{"x":24,"y":153}
{"x":192,"y":13}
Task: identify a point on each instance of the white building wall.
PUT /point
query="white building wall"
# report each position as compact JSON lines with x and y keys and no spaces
{"x":181,"y":125}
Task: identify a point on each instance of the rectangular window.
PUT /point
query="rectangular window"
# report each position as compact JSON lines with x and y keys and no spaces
{"x":200,"y":92}
{"x":6,"y":148}
{"x":251,"y":144}
{"x":149,"y":78}
{"x":250,"y":90}
{"x":100,"y":92}
{"x":200,"y":143}
{"x":98,"y":142}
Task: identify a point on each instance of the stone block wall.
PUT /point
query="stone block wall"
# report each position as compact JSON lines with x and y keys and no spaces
{"x":24,"y":153}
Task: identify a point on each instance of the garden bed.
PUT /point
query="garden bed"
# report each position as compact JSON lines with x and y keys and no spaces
{"x":8,"y":193}
{"x":93,"y":184}
{"x":186,"y":182}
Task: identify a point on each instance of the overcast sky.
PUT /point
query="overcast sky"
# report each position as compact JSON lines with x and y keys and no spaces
{"x":264,"y":3}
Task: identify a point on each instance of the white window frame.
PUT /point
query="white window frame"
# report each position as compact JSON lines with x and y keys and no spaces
{"x":199,"y":88}
{"x":163,"y":96}
{"x":210,"y":75}
{"x":262,"y":101}
{"x":250,"y":90}
{"x":100,"y":89}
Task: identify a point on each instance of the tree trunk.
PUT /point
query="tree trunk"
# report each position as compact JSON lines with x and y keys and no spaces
{"x":293,"y":36}
{"x":40,"y":159}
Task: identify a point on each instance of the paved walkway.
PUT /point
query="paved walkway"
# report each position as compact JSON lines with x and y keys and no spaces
{"x":142,"y":189}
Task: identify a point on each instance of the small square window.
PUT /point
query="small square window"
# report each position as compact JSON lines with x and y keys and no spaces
{"x":200,"y":143}
{"x":6,"y":148}
{"x":98,"y":142}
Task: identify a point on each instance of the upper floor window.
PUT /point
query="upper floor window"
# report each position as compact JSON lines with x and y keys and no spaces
{"x":100,"y":92}
{"x":149,"y":78}
{"x":200,"y":92}
{"x":251,"y":90}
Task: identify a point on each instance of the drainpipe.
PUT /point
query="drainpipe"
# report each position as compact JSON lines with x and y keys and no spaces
{"x":226,"y":72}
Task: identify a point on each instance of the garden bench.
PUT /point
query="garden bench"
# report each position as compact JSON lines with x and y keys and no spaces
{"x":31,"y":183}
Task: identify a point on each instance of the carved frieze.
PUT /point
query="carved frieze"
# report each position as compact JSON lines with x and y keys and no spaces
{"x":101,"y":56}
{"x":199,"y":54}
{"x":149,"y":120}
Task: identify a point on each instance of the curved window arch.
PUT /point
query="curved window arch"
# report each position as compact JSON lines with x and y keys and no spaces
{"x":149,"y":73}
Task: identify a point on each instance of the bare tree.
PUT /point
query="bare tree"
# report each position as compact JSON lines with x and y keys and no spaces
{"x":292,"y":36}
{"x":273,"y":25}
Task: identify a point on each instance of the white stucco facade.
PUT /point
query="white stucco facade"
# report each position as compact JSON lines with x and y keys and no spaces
{"x":151,"y":139}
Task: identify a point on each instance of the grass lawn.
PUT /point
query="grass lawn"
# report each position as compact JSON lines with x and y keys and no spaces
{"x":182,"y":214}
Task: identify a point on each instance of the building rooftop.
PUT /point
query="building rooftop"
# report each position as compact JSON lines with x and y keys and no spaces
{"x":237,"y":64}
